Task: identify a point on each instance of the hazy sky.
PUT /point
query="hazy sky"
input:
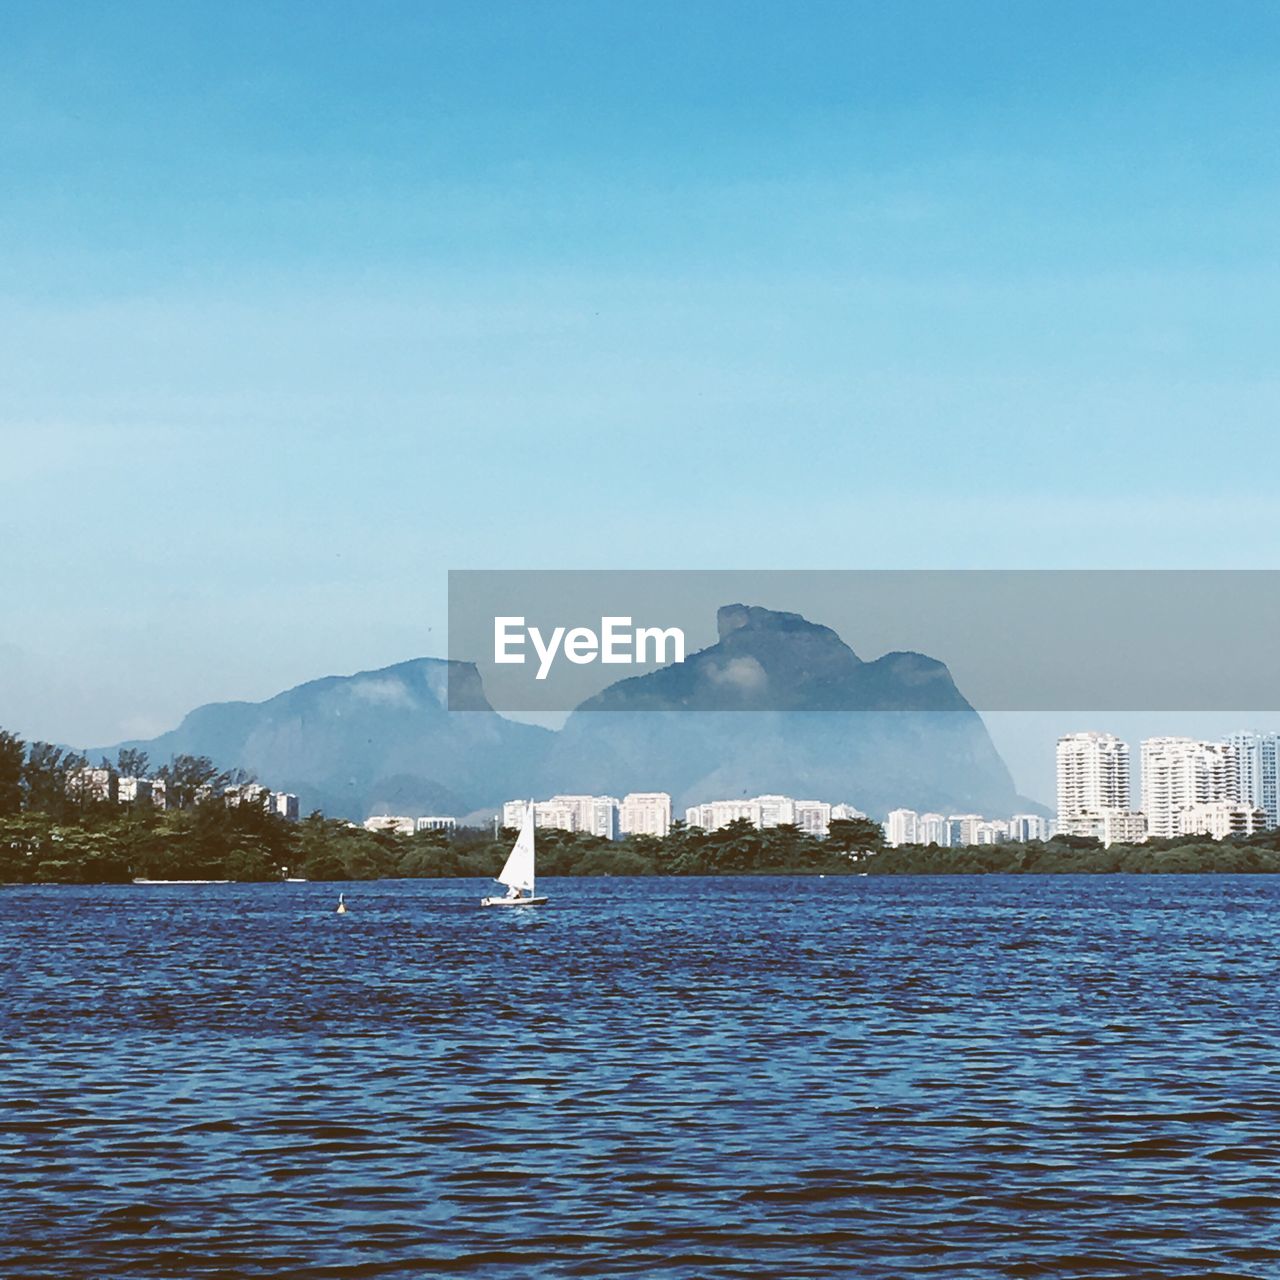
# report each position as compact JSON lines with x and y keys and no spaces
{"x":303,"y":304}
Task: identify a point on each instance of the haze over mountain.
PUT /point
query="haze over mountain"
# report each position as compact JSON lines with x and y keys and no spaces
{"x":374,"y":742}
{"x":778,"y":703}
{"x":783,"y":704}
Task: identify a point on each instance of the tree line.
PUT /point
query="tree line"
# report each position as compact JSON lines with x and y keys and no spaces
{"x":52,"y":832}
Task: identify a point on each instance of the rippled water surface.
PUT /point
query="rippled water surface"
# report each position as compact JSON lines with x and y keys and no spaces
{"x":954,"y":1077}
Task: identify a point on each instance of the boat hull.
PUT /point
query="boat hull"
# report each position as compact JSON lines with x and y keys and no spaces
{"x":512,"y":902}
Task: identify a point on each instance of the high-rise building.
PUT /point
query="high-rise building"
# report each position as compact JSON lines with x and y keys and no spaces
{"x":901,"y":827}
{"x":962,"y":828}
{"x":719,"y":813}
{"x":1093,"y":774}
{"x":596,"y":815}
{"x":1178,"y":773}
{"x":1258,"y":767}
{"x":931,"y":828}
{"x":645,"y":813}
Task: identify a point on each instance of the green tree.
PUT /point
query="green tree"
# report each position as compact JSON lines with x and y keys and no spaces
{"x":13,"y":754}
{"x":855,"y":835}
{"x":132,"y":763}
{"x":185,"y":778}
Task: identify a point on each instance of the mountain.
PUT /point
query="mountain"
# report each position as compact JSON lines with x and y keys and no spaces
{"x":378,"y":741}
{"x":777,"y":704}
{"x":781,"y":704}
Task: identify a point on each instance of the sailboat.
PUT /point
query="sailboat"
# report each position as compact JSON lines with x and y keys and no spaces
{"x":517,"y":873}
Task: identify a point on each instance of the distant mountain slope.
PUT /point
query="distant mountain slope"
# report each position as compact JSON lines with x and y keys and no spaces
{"x":351,"y":745}
{"x":782,"y":704}
{"x":777,"y":704}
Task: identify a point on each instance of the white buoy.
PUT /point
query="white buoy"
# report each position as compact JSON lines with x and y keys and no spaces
{"x":342,"y":905}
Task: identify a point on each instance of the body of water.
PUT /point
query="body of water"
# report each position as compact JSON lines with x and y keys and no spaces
{"x":960,"y":1077}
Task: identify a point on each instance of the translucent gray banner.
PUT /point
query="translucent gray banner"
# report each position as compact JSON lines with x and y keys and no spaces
{"x":545,"y":641}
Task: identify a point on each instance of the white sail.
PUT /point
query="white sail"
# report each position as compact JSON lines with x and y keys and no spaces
{"x":518,"y":871}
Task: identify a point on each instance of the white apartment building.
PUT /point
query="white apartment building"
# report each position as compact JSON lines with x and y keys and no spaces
{"x":776,"y":811}
{"x":248,"y":793}
{"x":645,"y":813}
{"x":90,"y":784}
{"x":813,"y":817}
{"x":131,"y":790}
{"x":1178,"y":773}
{"x":995,"y":832}
{"x":1093,"y":774}
{"x":1123,"y":826}
{"x":1258,"y":767}
{"x":284,"y":804}
{"x":845,"y":813}
{"x":962,"y":828}
{"x":596,"y":815}
{"x":513,"y":814}
{"x":719,"y":813}
{"x":391,"y":823}
{"x":1221,"y":819}
{"x":1028,"y":826}
{"x":931,"y":828}
{"x":436,"y":824}
{"x":902,"y":827}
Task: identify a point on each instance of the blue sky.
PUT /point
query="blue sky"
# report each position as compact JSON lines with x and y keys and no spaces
{"x":302,"y":305}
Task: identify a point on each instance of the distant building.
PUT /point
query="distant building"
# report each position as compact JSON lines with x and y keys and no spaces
{"x":645,"y":813}
{"x":513,"y":814}
{"x":1220,"y":819}
{"x":776,"y":811}
{"x":1093,"y":775}
{"x":436,"y":824}
{"x":1028,"y":826}
{"x":247,"y":793}
{"x":1123,"y":826}
{"x":1179,"y":773}
{"x":159,"y":793}
{"x":962,"y":828}
{"x":392,"y":824}
{"x":133,"y":790}
{"x":1258,"y":772}
{"x":994,"y":832}
{"x":91,"y":784}
{"x":284,"y":804}
{"x":901,"y":827}
{"x":597,"y":815}
{"x":845,"y":813}
{"x":931,"y":828}
{"x":719,"y":813}
{"x":813,"y":817}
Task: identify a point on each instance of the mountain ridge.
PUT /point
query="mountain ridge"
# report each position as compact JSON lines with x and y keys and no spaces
{"x":821,"y":721}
